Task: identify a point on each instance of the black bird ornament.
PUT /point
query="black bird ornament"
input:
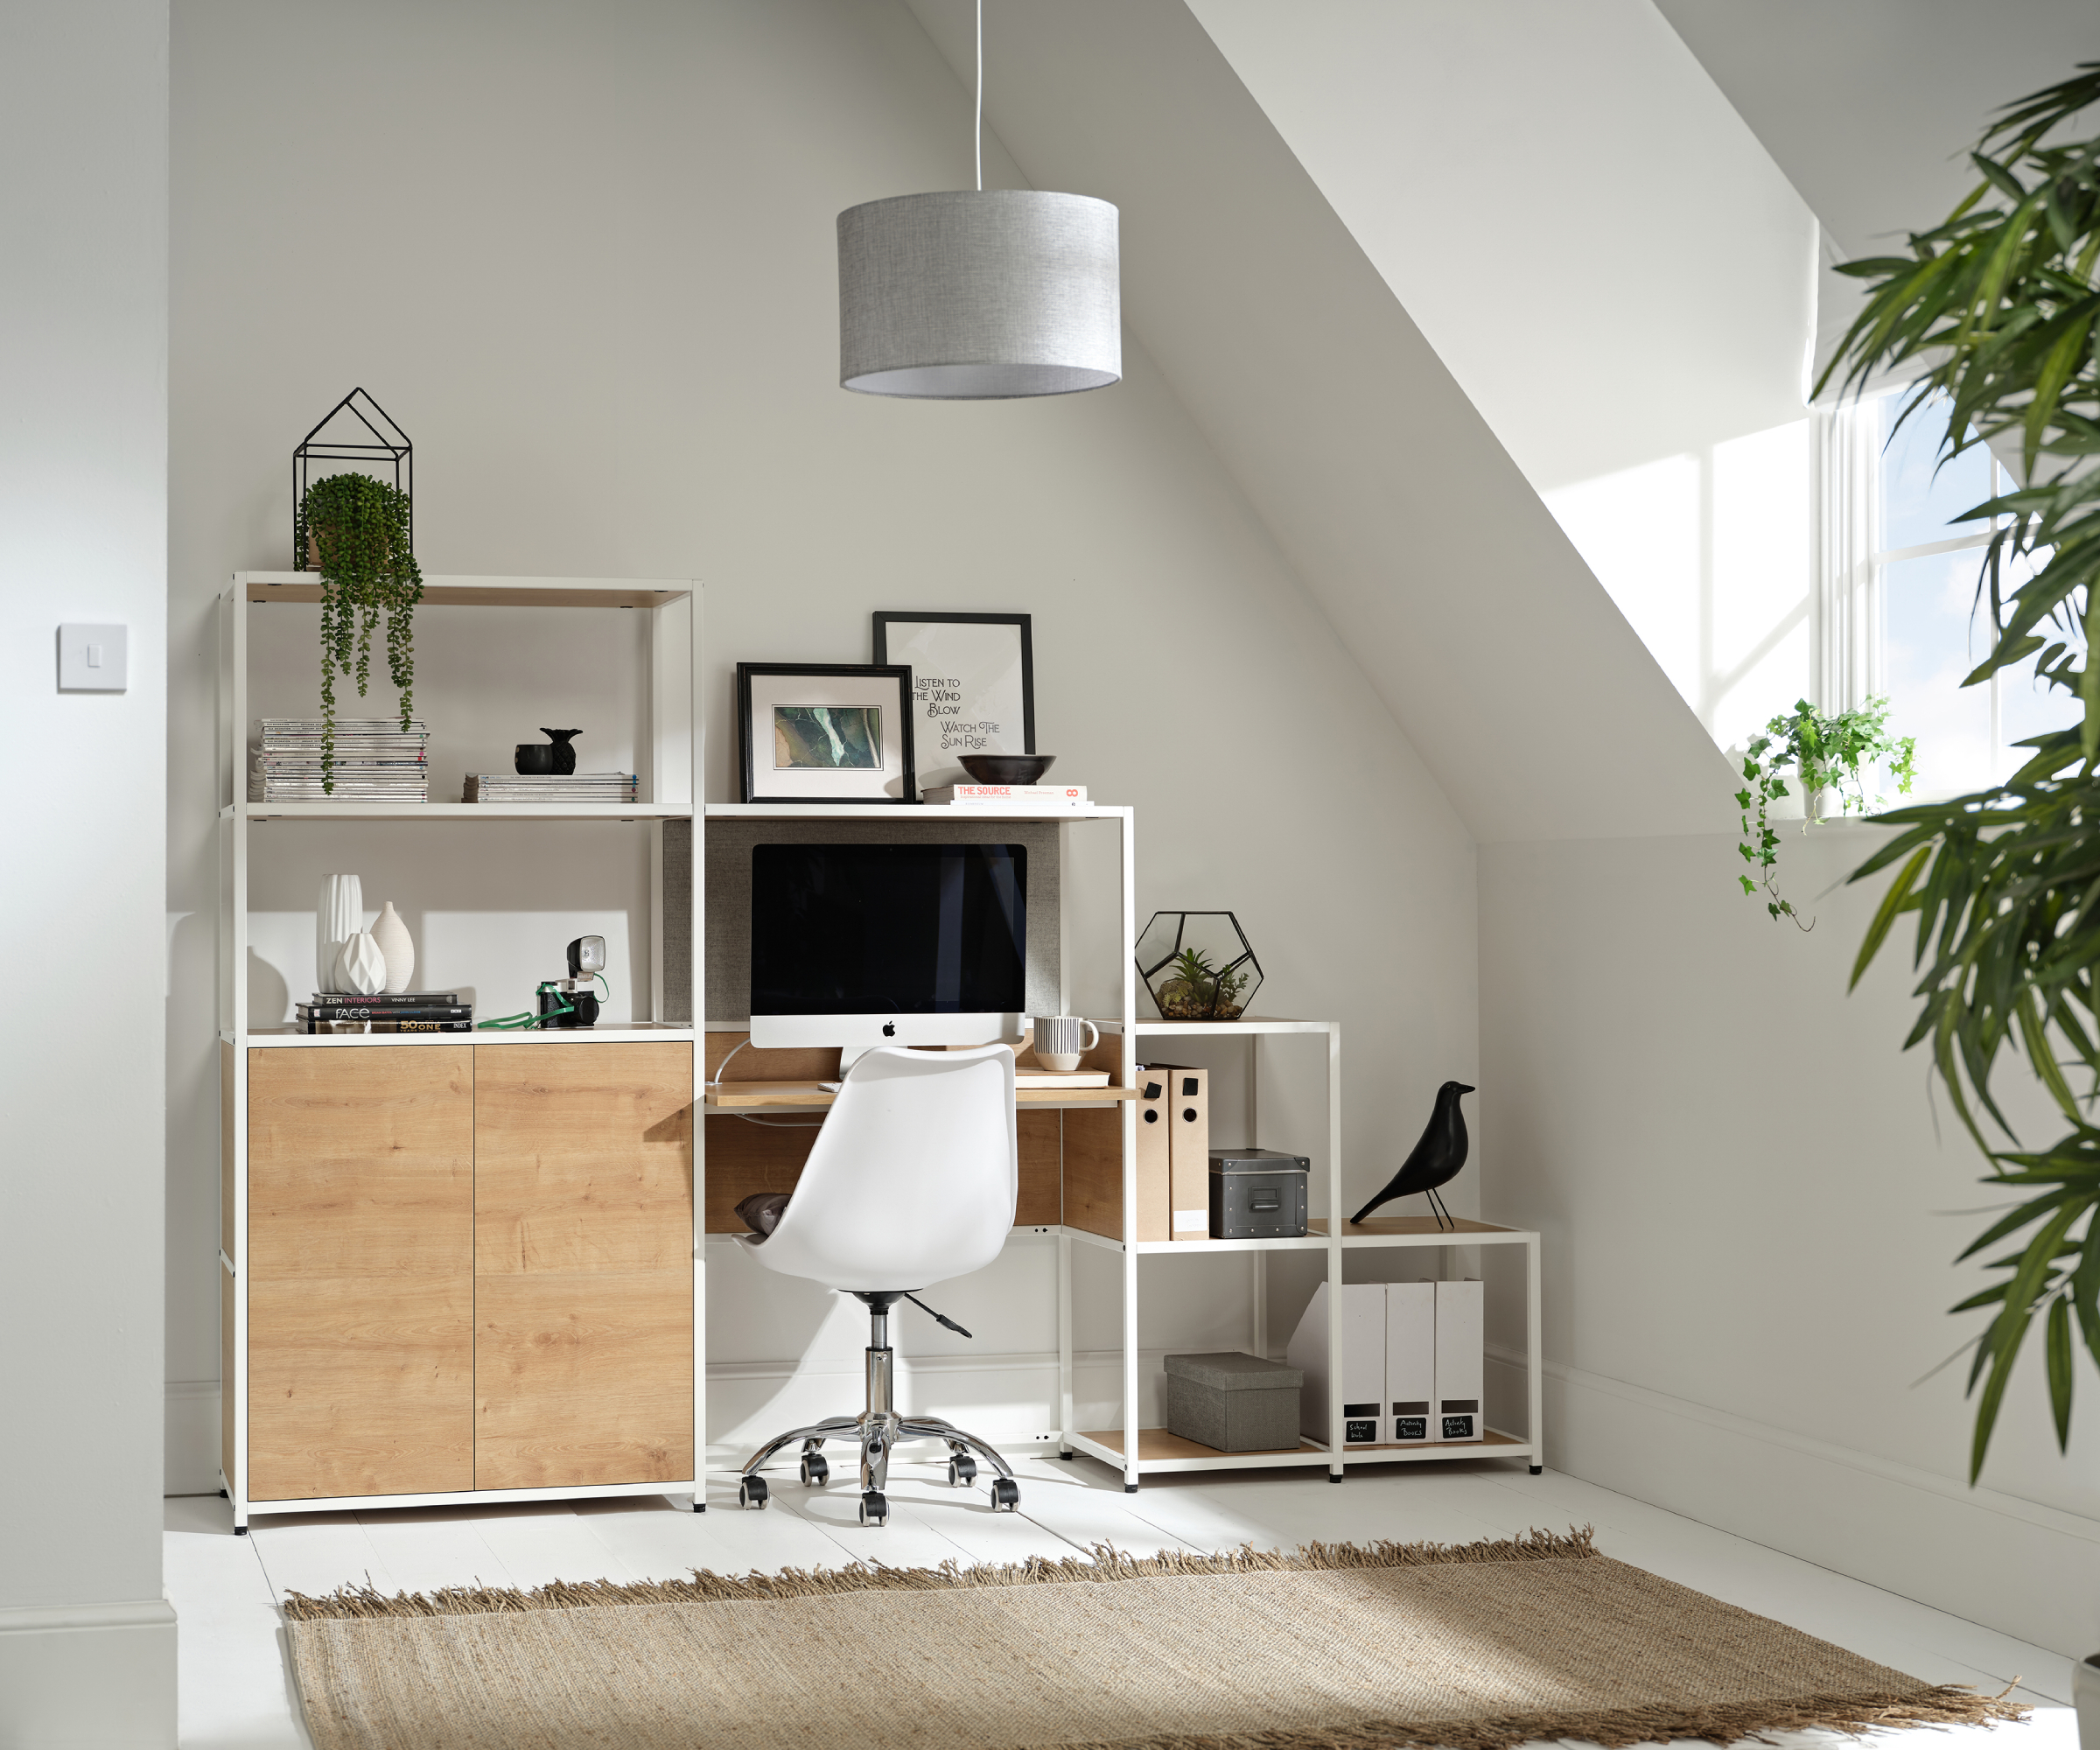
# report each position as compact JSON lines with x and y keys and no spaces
{"x":1436,"y":1159}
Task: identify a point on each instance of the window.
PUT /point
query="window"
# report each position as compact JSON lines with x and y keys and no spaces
{"x":1898,"y":607}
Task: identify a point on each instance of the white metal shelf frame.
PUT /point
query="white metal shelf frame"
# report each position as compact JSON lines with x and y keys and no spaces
{"x":1334,"y":1239}
{"x":672,"y":761}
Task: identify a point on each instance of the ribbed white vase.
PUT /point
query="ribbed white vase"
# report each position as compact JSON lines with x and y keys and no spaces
{"x":360,"y":969}
{"x":392,"y":935}
{"x":338,"y":915}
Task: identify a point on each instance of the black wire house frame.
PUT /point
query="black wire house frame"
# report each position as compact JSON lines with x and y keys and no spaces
{"x":389,"y":447}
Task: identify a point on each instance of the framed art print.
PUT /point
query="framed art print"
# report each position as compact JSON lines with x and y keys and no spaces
{"x":825,"y":733}
{"x":973,"y":685}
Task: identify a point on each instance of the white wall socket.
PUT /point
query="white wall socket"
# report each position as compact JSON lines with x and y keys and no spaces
{"x":92,"y":658}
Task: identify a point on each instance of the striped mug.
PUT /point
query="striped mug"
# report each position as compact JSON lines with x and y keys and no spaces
{"x":1060,"y":1041}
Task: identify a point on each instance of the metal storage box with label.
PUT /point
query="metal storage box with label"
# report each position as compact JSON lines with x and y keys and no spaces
{"x":1257,"y":1194}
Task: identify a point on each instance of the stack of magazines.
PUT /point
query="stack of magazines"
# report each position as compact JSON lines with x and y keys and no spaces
{"x":405,"y":1011}
{"x":576,"y":787}
{"x":377,"y":760}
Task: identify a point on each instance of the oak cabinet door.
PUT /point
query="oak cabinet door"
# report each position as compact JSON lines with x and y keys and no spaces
{"x":582,"y":1264}
{"x":360,"y":1270}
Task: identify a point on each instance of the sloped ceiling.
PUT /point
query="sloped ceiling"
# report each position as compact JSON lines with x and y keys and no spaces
{"x":1871,"y":106}
{"x":1498,"y":653}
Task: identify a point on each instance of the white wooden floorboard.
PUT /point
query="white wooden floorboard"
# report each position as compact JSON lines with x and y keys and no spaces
{"x":314,"y":1553}
{"x":551,"y":1541}
{"x":427,"y":1548}
{"x":657,"y":1541}
{"x":233,"y":1691}
{"x":1059,"y":1497}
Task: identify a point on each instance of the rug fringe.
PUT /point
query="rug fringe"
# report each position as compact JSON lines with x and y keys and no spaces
{"x":1104,"y":1563}
{"x":1946,"y":1705}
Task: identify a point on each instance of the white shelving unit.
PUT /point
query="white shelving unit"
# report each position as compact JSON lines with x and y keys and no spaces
{"x":1155,"y":1451}
{"x":669,"y":759}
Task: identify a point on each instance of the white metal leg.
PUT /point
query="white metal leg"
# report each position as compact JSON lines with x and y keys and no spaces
{"x":1064,"y":1344}
{"x":1535,"y":1359}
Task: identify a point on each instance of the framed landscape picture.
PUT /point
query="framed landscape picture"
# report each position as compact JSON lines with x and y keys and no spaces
{"x":973,"y":685}
{"x":825,"y":733}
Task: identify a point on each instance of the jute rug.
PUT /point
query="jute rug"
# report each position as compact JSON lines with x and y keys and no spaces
{"x":1478,"y":1646}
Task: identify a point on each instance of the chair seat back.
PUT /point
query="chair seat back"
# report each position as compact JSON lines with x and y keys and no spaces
{"x":914,"y":1177}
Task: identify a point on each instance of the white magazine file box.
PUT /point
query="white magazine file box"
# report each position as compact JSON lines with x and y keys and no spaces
{"x":1461,"y":1361}
{"x":1363,"y":1369}
{"x":1410,"y":1362}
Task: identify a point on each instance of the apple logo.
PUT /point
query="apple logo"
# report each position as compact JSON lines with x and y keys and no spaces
{"x":889,"y":1030}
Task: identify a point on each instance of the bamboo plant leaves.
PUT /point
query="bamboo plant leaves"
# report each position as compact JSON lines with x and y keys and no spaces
{"x":1998,"y":307}
{"x":355,"y":530}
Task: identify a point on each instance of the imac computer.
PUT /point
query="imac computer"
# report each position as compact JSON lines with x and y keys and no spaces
{"x":861,"y":945}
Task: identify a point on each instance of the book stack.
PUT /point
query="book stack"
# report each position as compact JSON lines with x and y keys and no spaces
{"x":1005,"y":795}
{"x":405,"y":1011}
{"x":619,"y":787}
{"x":377,"y":760}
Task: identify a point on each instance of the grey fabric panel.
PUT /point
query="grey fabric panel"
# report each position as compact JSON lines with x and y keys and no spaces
{"x":729,"y":844}
{"x":1005,"y":276}
{"x":678,"y":921}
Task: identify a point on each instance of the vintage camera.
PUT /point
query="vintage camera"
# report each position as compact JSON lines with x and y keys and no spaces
{"x":572,"y":1002}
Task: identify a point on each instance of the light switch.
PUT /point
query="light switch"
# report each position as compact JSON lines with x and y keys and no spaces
{"x":91,"y":659}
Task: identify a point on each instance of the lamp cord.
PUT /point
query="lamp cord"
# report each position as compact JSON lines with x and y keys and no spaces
{"x":980,"y":96}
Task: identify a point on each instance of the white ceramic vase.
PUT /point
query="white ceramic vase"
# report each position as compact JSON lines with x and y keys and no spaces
{"x":338,"y":915}
{"x":362,"y":969}
{"x":392,"y":935}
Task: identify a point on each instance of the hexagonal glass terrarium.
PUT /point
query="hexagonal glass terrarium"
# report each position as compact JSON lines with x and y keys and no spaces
{"x":1197,"y":965}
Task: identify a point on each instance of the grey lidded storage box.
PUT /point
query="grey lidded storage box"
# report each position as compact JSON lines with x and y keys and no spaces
{"x":1234,"y":1403}
{"x":1257,"y":1194}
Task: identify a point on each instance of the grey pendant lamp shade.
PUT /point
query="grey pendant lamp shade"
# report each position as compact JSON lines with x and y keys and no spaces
{"x":979,"y":295}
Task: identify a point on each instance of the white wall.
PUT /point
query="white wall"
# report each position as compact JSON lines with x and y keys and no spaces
{"x":1612,"y":267}
{"x":596,"y":283}
{"x":86,"y":1643}
{"x":1750,"y":1212}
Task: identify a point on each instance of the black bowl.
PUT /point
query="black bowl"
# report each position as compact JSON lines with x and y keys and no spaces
{"x":534,"y":759}
{"x":1008,"y":768}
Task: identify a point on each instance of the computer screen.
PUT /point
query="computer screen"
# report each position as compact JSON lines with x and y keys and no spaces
{"x":910,"y":944}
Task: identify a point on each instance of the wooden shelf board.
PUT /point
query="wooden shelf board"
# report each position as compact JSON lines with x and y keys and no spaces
{"x":300,"y":586}
{"x":912,"y":811}
{"x":778,"y":1094}
{"x":1156,"y":1446}
{"x":1411,"y":1227}
{"x":1157,"y":1443}
{"x":1244,"y":1027}
{"x":608,"y":1034}
{"x":483,"y":811}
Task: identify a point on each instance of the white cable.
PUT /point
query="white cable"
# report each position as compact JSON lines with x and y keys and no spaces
{"x":980,"y":96}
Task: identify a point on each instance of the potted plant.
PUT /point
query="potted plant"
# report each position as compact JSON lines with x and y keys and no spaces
{"x":354,"y":531}
{"x":1831,"y":756}
{"x":1996,"y":311}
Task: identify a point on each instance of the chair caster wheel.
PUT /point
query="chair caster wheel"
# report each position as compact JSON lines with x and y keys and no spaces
{"x":816,"y":1470}
{"x":1005,"y":1492}
{"x":752,"y":1491}
{"x":961,"y":1471}
{"x":874,"y":1508}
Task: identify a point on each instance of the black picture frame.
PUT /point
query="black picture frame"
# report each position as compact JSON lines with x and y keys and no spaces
{"x":886,"y":617}
{"x":898,"y":674}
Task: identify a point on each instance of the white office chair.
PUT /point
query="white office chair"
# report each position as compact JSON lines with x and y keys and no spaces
{"x":913,"y":1181}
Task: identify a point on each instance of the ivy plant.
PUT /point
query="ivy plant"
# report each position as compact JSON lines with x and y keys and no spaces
{"x":1825,"y":754}
{"x":1995,"y":310}
{"x":355,"y":530}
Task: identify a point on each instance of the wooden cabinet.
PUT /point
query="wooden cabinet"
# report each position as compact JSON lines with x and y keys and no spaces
{"x":582,"y":1264}
{"x":468,"y":1267}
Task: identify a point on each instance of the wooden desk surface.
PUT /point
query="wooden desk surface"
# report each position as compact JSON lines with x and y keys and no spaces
{"x":731,"y":1095}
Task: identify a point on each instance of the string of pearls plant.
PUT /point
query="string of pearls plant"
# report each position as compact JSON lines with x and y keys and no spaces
{"x":355,"y":530}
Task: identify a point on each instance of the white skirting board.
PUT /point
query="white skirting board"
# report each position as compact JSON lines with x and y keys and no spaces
{"x":83,"y":1677}
{"x":2022,"y":1569}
